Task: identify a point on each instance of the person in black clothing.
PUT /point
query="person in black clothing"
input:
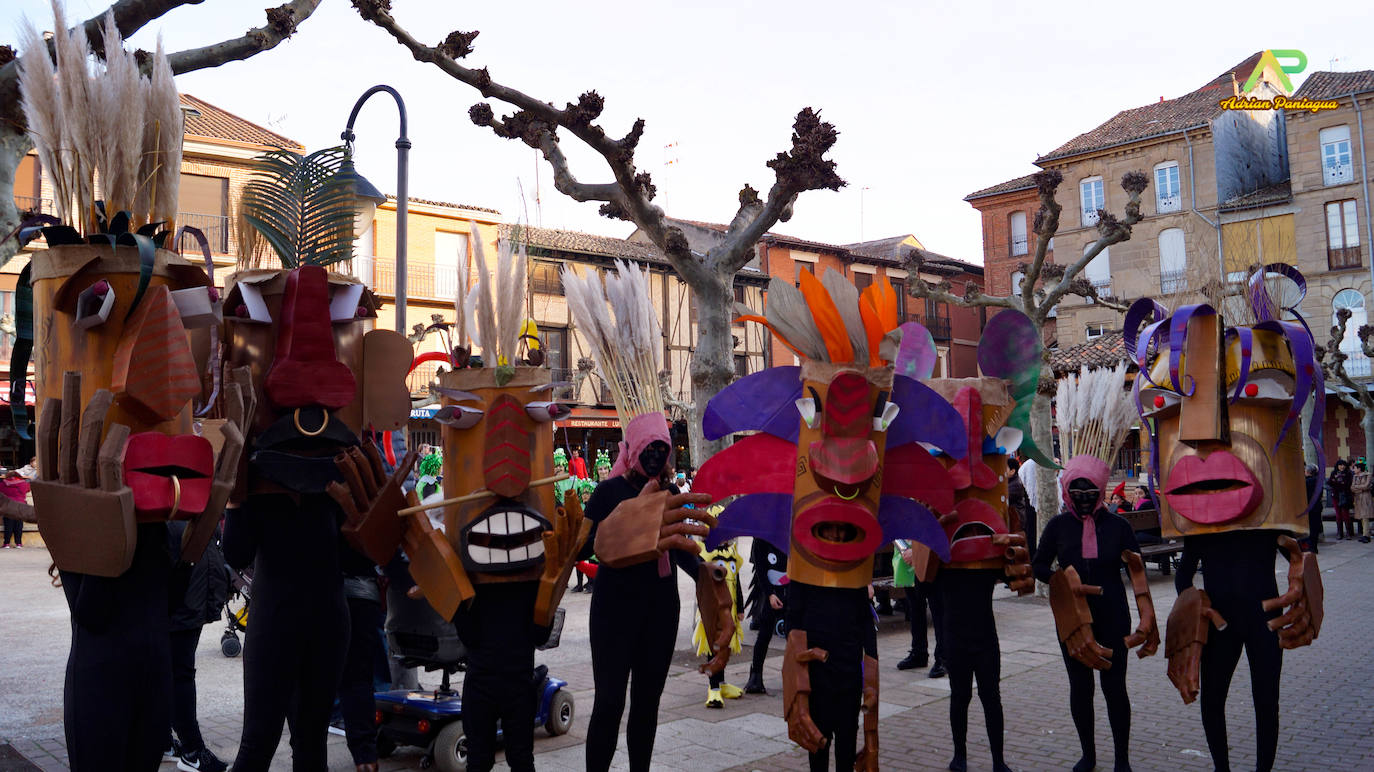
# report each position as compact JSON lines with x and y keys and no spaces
{"x":363,"y":597}
{"x":198,"y":593}
{"x":1018,"y":500}
{"x":973,"y":651}
{"x":767,"y":595}
{"x":1096,"y":556}
{"x":294,"y":651}
{"x":1239,"y":570}
{"x":918,"y":596}
{"x":841,"y":622}
{"x":634,"y":619}
{"x":1314,"y":511}
{"x":1342,"y":499}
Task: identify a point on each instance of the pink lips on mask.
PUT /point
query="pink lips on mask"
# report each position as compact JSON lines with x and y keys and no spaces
{"x":1213,"y":490}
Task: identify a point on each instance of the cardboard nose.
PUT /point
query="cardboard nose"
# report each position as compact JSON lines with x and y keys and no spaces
{"x":306,"y":371}
{"x":153,"y":367}
{"x":506,"y":460}
{"x":847,"y":460}
{"x":1202,"y":415}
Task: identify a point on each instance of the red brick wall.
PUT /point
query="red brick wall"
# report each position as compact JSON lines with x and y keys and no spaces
{"x":998,"y":262}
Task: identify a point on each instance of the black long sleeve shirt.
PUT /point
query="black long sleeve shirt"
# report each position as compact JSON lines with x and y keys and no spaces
{"x":607,"y":496}
{"x":836,"y":619}
{"x":1239,"y":571}
{"x":1063,"y":540}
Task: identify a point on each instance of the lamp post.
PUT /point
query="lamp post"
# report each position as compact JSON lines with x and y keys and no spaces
{"x":367,"y":192}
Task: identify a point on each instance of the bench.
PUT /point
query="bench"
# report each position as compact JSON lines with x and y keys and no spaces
{"x":1161,"y":553}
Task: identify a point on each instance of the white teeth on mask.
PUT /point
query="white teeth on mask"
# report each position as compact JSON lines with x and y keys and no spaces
{"x":481,"y":526}
{"x":536,"y":549}
{"x":479,"y":554}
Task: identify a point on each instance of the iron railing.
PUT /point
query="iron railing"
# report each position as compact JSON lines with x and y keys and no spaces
{"x":424,"y":280}
{"x":938,"y":325}
{"x":1103,"y":286}
{"x":1345,"y":257}
{"x":214,"y":226}
{"x":1356,"y":364}
{"x":1172,"y":281}
{"x":33,"y":204}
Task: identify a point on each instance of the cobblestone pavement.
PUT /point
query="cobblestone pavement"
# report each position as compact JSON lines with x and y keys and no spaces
{"x":1326,"y":689}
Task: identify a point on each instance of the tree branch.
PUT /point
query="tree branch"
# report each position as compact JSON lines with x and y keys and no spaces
{"x":939,"y":293}
{"x":1111,"y":231}
{"x":1046,"y":225}
{"x":1332,"y":362}
{"x":282,"y":22}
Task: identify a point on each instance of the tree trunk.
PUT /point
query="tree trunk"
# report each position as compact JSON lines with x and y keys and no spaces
{"x":1367,"y":424}
{"x":1046,"y":479}
{"x":13,"y":146}
{"x":1309,"y":450}
{"x":713,"y":363}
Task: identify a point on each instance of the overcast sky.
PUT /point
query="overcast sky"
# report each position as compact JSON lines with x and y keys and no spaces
{"x":931,"y":103}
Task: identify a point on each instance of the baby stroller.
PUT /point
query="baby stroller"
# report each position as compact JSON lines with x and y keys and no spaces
{"x":432,"y":720}
{"x":236,"y":610}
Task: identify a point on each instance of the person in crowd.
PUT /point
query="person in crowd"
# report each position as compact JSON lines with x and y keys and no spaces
{"x":1019,"y":500}
{"x":767,"y":597}
{"x":919,"y":594}
{"x":1364,"y":502}
{"x":197,"y":596}
{"x":579,"y":465}
{"x":1026,"y":474}
{"x":14,"y":487}
{"x":1342,"y":498}
{"x":363,"y":596}
{"x":1091,"y":541}
{"x":1144,"y":499}
{"x":727,"y":557}
{"x":1313,"y":481}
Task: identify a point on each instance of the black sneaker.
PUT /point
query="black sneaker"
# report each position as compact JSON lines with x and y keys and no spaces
{"x":914,"y":661}
{"x":203,"y":760}
{"x":173,"y":751}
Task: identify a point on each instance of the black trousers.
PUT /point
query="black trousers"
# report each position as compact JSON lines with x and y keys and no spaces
{"x":184,"y":723}
{"x":1118,"y":702}
{"x":14,"y":529}
{"x":986,"y":666}
{"x":633,"y":628}
{"x":1219,"y":659}
{"x":355,"y":687}
{"x":836,"y":697}
{"x":917,"y":597}
{"x":117,"y":698}
{"x":768,"y":621}
{"x":505,"y":697}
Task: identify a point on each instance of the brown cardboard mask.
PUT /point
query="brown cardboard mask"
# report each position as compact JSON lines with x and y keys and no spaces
{"x":980,"y":479}
{"x":497,"y":442}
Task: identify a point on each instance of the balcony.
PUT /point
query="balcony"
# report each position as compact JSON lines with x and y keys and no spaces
{"x":214,"y":226}
{"x":1343,"y":258}
{"x":1166,"y":204}
{"x":1173,"y":281}
{"x":423,"y":280}
{"x":1356,"y":364}
{"x":938,"y":325}
{"x":32,"y":204}
{"x":1337,"y":173}
{"x":421,"y":377}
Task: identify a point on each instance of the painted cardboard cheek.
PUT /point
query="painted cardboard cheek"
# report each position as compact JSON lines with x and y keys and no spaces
{"x":493,"y":451}
{"x":987,"y":506}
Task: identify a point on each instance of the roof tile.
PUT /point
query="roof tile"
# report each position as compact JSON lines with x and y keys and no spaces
{"x":1104,"y":351}
{"x":1020,"y":183}
{"x":1331,"y":85}
{"x":217,"y":123}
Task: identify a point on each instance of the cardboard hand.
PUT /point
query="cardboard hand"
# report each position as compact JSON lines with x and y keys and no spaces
{"x":867,"y":758}
{"x":1018,"y":568}
{"x":435,"y":567}
{"x":716,"y":606}
{"x":239,"y":407}
{"x":640,"y":529}
{"x":796,"y":691}
{"x":561,"y":546}
{"x":1184,"y":636}
{"x":1074,"y":620}
{"x":1146,"y":634}
{"x":370,"y":500}
{"x":1302,"y":622}
{"x":85,"y":511}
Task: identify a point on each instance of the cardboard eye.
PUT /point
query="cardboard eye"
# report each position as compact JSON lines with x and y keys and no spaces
{"x":890,"y":411}
{"x":807,"y":407}
{"x":94,"y":304}
{"x":458,"y":416}
{"x":1157,"y":400}
{"x":545,"y":412}
{"x":343,"y":302}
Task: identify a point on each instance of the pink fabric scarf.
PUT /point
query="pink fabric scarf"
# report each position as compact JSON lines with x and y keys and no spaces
{"x":1096,"y":471}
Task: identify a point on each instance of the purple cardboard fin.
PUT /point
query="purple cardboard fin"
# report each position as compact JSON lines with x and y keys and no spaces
{"x":925,"y":417}
{"x":767,"y":516}
{"x":906,"y":519}
{"x":763,"y":401}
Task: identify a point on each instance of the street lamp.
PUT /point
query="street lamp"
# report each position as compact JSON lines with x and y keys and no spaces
{"x":369,"y":197}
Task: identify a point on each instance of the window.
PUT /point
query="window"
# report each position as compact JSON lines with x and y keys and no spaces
{"x":1017,"y":278}
{"x":555,"y":341}
{"x":545,"y":279}
{"x":741,"y":365}
{"x":1167,"y":193}
{"x":740,"y":296}
{"x":1099,"y":271}
{"x":204,"y":203}
{"x":440,"y":278}
{"x":1173,"y":261}
{"x":28,"y":185}
{"x":1336,"y":167}
{"x":1092,"y":197}
{"x":1018,"y":233}
{"x":899,"y":287}
{"x":1095,"y":330}
{"x":1342,"y":235}
{"x":862,"y":280}
{"x":804,"y":268}
{"x":1356,"y":363}
{"x":7,"y":313}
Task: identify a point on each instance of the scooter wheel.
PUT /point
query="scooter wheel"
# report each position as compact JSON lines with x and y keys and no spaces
{"x":229,"y":645}
{"x":451,"y":749}
{"x":561,"y":711}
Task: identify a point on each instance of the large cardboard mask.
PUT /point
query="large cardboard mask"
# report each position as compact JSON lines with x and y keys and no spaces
{"x":980,"y":479}
{"x":1222,"y":405}
{"x":497,"y":441}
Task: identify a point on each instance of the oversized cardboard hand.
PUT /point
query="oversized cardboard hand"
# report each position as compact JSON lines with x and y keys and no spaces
{"x":1185,"y":635}
{"x":240,"y":404}
{"x":796,"y":690}
{"x":370,"y":500}
{"x":640,"y":529}
{"x":1302,"y":622}
{"x":867,"y":758}
{"x":85,"y":511}
{"x":561,"y":546}
{"x":1018,"y":568}
{"x":716,"y":606}
{"x":1068,"y":601}
{"x":1146,"y":634}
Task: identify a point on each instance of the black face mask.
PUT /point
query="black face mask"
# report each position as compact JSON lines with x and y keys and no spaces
{"x":1084,"y":496}
{"x":653,"y":459}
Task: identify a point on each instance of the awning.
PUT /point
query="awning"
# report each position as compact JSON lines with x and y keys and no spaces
{"x":590,"y":418}
{"x":424,"y":412}
{"x":30,"y":398}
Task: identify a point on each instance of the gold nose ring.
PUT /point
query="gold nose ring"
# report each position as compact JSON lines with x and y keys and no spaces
{"x":301,"y":429}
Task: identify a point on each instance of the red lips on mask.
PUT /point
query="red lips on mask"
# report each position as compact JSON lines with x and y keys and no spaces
{"x":152,"y":460}
{"x":1216,"y":489}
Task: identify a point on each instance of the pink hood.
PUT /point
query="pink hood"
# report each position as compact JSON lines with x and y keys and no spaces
{"x":1084,"y":467}
{"x":642,"y":430}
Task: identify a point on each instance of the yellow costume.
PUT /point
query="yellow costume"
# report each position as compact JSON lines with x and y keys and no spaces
{"x":728,"y":558}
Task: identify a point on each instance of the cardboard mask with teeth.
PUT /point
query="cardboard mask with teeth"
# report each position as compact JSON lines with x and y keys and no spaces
{"x":836,"y":469}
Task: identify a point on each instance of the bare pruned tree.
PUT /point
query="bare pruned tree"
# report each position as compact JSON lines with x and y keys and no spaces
{"x":130,"y":16}
{"x":628,"y":194}
{"x":1044,"y":286}
{"x":1333,"y":361}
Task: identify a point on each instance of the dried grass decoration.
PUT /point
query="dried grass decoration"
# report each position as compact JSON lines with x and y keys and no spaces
{"x":628,"y":346}
{"x":99,"y":121}
{"x":1094,"y":412}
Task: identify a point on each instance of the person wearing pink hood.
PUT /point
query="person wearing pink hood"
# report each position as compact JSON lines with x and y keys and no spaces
{"x":1089,"y":601}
